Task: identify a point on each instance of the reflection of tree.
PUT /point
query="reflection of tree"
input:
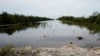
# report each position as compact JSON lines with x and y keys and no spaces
{"x":13,"y":28}
{"x":94,"y":28}
{"x":92,"y":22}
{"x":43,"y":25}
{"x":99,"y":36}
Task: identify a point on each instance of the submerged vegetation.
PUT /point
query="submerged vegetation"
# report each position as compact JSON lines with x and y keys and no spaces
{"x":92,"y":22}
{"x":6,"y":18}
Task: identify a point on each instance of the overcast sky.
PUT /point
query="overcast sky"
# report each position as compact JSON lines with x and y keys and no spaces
{"x":51,"y":8}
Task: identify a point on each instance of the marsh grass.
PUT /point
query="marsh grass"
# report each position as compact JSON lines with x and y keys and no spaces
{"x":6,"y":51}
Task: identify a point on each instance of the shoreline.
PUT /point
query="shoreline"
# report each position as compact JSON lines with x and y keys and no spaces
{"x":68,"y":50}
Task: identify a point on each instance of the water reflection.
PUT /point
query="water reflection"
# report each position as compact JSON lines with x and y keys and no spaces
{"x":49,"y":34}
{"x":98,"y":37}
{"x":93,"y":28}
{"x":13,"y":28}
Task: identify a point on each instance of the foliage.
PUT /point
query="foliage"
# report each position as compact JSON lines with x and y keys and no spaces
{"x":6,"y":18}
{"x":5,"y":51}
{"x":93,"y":19}
{"x":92,"y":22}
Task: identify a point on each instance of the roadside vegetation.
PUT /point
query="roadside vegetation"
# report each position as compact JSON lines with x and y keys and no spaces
{"x":6,"y":18}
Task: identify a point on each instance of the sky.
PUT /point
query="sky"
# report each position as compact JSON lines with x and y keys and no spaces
{"x":51,"y":8}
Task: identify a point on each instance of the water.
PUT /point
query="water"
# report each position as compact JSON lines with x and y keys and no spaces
{"x":48,"y":34}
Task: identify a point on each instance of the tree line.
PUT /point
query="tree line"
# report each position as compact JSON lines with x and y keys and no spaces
{"x":7,"y":18}
{"x":93,"y":19}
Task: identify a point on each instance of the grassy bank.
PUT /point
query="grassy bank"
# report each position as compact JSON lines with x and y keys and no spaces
{"x":93,"y":19}
{"x":92,"y":22}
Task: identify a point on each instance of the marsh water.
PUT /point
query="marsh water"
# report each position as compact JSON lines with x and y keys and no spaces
{"x":51,"y":33}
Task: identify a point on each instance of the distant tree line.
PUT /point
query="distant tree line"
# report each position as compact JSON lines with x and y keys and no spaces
{"x":93,"y":19}
{"x":6,"y":18}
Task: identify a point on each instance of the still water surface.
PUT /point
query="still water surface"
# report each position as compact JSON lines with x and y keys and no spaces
{"x":48,"y":34}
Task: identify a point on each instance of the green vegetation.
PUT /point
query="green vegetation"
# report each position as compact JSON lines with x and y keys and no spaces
{"x":6,"y":18}
{"x":92,"y":22}
{"x":6,"y":51}
{"x":93,"y":19}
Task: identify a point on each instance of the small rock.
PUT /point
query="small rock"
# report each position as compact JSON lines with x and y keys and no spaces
{"x":80,"y":38}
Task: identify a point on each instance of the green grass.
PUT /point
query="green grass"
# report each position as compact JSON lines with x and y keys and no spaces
{"x":6,"y":51}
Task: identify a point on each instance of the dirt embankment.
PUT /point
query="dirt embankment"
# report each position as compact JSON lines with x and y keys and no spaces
{"x":68,"y":50}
